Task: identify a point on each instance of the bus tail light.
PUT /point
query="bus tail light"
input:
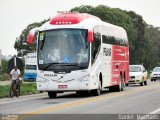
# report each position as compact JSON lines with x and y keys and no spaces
{"x":90,"y":36}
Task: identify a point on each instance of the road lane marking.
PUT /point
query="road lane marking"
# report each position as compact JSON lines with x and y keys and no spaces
{"x":19,"y":100}
{"x":155,"y":111}
{"x":71,"y":104}
{"x":83,"y":101}
{"x":41,"y":95}
{"x":86,"y":101}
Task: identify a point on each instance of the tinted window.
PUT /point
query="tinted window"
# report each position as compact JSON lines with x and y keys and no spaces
{"x":108,"y":39}
{"x":96,"y":43}
{"x":63,"y":49}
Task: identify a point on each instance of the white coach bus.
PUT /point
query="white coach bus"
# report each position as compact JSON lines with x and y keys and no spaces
{"x":79,"y":52}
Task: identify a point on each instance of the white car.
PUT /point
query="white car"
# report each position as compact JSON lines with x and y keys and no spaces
{"x":138,"y":75}
{"x":155,"y":74}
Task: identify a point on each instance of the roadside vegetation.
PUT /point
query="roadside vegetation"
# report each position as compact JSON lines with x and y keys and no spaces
{"x":25,"y":89}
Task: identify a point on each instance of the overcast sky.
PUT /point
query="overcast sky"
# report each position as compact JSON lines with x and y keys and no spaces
{"x":15,"y":15}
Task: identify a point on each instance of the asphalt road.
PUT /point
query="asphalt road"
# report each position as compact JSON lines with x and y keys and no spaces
{"x":134,"y":100}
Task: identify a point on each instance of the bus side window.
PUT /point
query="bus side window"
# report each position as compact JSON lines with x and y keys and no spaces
{"x":96,"y":43}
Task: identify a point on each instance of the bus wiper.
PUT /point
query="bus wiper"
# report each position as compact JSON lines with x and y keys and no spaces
{"x":76,"y":65}
{"x":50,"y":64}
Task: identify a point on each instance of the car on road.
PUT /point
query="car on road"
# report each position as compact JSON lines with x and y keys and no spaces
{"x":155,"y":75}
{"x":138,"y":75}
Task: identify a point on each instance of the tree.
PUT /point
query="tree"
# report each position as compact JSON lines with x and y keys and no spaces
{"x":21,"y":44}
{"x":4,"y":66}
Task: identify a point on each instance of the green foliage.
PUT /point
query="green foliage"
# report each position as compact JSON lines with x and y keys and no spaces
{"x":4,"y":66}
{"x":152,"y":56}
{"x":26,"y":89}
{"x":4,"y":91}
{"x":21,"y":44}
{"x":2,"y":77}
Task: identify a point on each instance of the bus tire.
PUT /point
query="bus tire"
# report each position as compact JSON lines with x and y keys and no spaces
{"x":52,"y":94}
{"x":121,"y":85}
{"x":97,"y":91}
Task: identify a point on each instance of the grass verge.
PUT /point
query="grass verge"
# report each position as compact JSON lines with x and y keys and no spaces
{"x":26,"y":89}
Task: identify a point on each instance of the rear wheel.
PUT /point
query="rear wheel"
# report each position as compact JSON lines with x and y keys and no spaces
{"x":154,"y":79}
{"x":121,"y":85}
{"x":151,"y":79}
{"x":17,"y":92}
{"x":52,"y":94}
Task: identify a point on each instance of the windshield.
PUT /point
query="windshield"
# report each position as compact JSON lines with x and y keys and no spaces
{"x":63,"y":49}
{"x":135,"y":68}
{"x":156,"y":70}
{"x":31,"y":67}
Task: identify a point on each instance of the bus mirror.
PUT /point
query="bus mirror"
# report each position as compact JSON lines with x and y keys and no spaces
{"x":90,"y":36}
{"x":30,"y":38}
{"x":31,"y":35}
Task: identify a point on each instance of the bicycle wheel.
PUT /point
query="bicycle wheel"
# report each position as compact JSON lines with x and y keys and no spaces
{"x":10,"y":92}
{"x":18,"y":91}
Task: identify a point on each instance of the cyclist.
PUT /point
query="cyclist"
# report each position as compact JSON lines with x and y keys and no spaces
{"x":15,"y":74}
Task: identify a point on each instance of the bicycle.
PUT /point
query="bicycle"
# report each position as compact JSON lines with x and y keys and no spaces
{"x":13,"y":91}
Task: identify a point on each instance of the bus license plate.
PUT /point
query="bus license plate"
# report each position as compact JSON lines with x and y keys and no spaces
{"x":62,"y":86}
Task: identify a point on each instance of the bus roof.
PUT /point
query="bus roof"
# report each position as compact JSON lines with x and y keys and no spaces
{"x":82,"y":21}
{"x":70,"y":18}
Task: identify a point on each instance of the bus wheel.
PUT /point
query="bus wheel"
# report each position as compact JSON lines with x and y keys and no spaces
{"x":97,"y":91}
{"x":52,"y":94}
{"x":121,"y":85}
